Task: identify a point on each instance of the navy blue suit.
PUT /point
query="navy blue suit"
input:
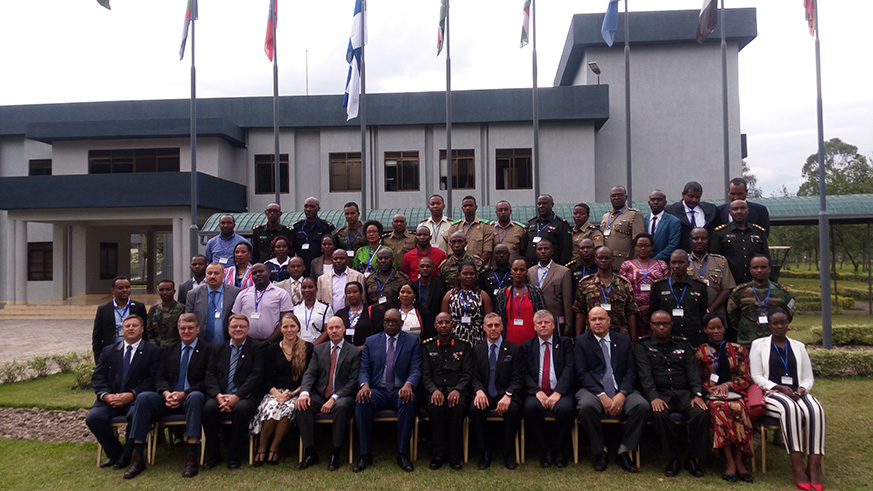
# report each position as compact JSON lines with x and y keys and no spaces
{"x":565,"y":375}
{"x":710,"y":220}
{"x":758,"y":214}
{"x":407,"y":369}
{"x":668,"y":230}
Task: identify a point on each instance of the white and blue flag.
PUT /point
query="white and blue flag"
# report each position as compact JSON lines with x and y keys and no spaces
{"x":610,"y":23}
{"x":357,"y":40}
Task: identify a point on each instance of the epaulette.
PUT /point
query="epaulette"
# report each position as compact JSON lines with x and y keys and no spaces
{"x":662,"y":279}
{"x":762,"y":229}
{"x":695,"y":279}
{"x":456,"y":222}
{"x":591,"y":226}
{"x":648,"y":336}
{"x":562,"y":219}
{"x":328,"y":222}
{"x":721,"y":226}
{"x":253,"y":228}
{"x":680,"y":338}
{"x":464,"y":340}
{"x":517,"y":223}
{"x":568,"y":264}
{"x":299,"y":222}
{"x":428,"y":340}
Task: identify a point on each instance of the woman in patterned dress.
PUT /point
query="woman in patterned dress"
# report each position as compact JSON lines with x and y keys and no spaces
{"x":365,"y":258}
{"x":641,"y":271}
{"x":467,"y":305}
{"x":240,"y":274}
{"x":724,"y":370}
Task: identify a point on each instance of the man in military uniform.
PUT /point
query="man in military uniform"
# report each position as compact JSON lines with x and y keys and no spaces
{"x":263,"y":235}
{"x":497,"y":277}
{"x":584,"y":265}
{"x":620,"y":225}
{"x":479,"y":234}
{"x":508,"y":232}
{"x":738,"y":241}
{"x":609,"y":291}
{"x":684,"y":297}
{"x":449,"y":267}
{"x":400,"y":240}
{"x":547,"y":225}
{"x":748,"y":304}
{"x":446,"y":372}
{"x":351,"y":236}
{"x":584,"y":229}
{"x":383,"y":286}
{"x":670,"y":380}
{"x":309,"y":231}
{"x":438,"y":223}
{"x":712,"y":269}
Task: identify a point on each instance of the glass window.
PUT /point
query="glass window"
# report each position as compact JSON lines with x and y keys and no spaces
{"x":39,"y":261}
{"x":514,"y":168}
{"x":133,"y":160}
{"x":345,"y":171}
{"x":463,"y":169}
{"x":39,"y":167}
{"x":401,"y":171}
{"x":264,"y":175}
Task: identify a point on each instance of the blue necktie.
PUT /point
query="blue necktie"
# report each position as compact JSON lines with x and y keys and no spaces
{"x":234,"y":359}
{"x":691,"y":215}
{"x":608,"y":378}
{"x":125,"y":365}
{"x":210,"y":317}
{"x":182,"y":381}
{"x":389,"y":366}
{"x":492,"y":371}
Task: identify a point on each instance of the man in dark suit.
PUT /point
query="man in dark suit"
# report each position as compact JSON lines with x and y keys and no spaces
{"x":180,"y":388}
{"x":498,"y":380}
{"x":556,"y":283}
{"x":212,"y":304}
{"x":549,"y":378}
{"x":430,"y":291}
{"x":124,"y":370}
{"x":234,"y":379}
{"x":328,"y":386}
{"x":389,"y":374}
{"x":664,"y":227}
{"x":607,"y":371}
{"x":692,"y":213}
{"x":198,"y":277}
{"x":107,"y":322}
{"x":738,"y":190}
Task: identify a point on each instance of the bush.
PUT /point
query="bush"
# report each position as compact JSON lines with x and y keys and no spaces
{"x":41,"y":365}
{"x":838,"y":363}
{"x":13,"y":371}
{"x":856,"y":293}
{"x":844,"y":335}
{"x":813,"y":275}
{"x":813,"y":304}
{"x":83,"y":371}
{"x":67,"y":361}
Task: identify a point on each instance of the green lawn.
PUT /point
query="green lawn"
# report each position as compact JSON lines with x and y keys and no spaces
{"x":813,"y":285}
{"x":52,"y":392}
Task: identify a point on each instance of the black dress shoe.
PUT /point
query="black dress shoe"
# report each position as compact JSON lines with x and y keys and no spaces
{"x":121,"y":463}
{"x":364,"y":462}
{"x":404,"y":462}
{"x":334,"y":462}
{"x":730,"y":477}
{"x":747,"y":477}
{"x":624,"y":460}
{"x":456,"y":464}
{"x":694,"y":468}
{"x":673,"y":468}
{"x":307,"y":461}
{"x":546,"y":459}
{"x":107,"y":463}
{"x":137,"y":465}
{"x":211,"y":464}
{"x":510,"y":463}
{"x":485,"y":460}
{"x":601,"y":461}
{"x":436,"y":462}
{"x":233,"y":465}
{"x":192,"y":465}
{"x":560,"y":461}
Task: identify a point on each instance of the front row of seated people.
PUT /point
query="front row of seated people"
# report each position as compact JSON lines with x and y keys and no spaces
{"x":602,"y":375}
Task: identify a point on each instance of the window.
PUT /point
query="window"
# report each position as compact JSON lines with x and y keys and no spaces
{"x":39,"y":261}
{"x":264,"y":176}
{"x":463,"y":169}
{"x":108,"y":260}
{"x":345,"y":171}
{"x":39,"y":167}
{"x":133,"y":160}
{"x":514,"y":168}
{"x":401,"y":171}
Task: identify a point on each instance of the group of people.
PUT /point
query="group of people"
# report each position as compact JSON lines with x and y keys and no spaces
{"x":473,"y":319}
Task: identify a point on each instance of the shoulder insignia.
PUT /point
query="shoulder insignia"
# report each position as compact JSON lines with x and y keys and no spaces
{"x":591,"y":226}
{"x":679,"y":338}
{"x":518,"y":223}
{"x":568,"y":264}
{"x":696,"y":280}
{"x":327,"y":222}
{"x":562,"y":219}
{"x":456,"y":222}
{"x":762,"y":229}
{"x":721,"y":226}
{"x":463,"y":340}
{"x":428,"y":340}
{"x":298,"y":222}
{"x":662,"y":280}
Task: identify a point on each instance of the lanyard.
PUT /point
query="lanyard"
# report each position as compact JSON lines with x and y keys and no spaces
{"x":584,"y":271}
{"x":783,"y":358}
{"x":766,"y":300}
{"x":466,"y":229}
{"x":372,"y":253}
{"x":544,"y":275}
{"x":645,"y":271}
{"x":123,"y":311}
{"x":519,"y":301}
{"x":308,"y":314}
{"x":540,"y":229}
{"x":435,"y":230}
{"x":351,"y":240}
{"x":422,"y":294}
{"x":706,"y":265}
{"x":715,"y":356}
{"x":354,"y":319}
{"x":225,"y":244}
{"x":500,"y":280}
{"x":303,"y":229}
{"x":419,"y":256}
{"x":606,"y":292}
{"x":258,"y":298}
{"x":678,"y":299}
{"x":383,"y":285}
{"x":466,"y":300}
{"x":609,"y":217}
{"x":216,"y":299}
{"x":497,"y":230}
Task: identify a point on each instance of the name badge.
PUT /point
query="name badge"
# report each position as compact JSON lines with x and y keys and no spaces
{"x":706,"y":282}
{"x":217,"y":314}
{"x":496,"y":290}
{"x":678,"y":312}
{"x":786,"y":380}
{"x":305,"y":246}
{"x":466,"y":319}
{"x":606,"y":233}
{"x":119,"y":332}
{"x":433,"y":244}
{"x":383,"y":299}
{"x":762,"y":319}
{"x":536,"y":240}
{"x":349,"y":252}
{"x":646,"y":287}
{"x":255,"y":315}
{"x":517,"y":322}
{"x":222,"y":260}
{"x":713,"y":377}
{"x":606,"y":306}
{"x":560,"y":319}
{"x":350,"y":332}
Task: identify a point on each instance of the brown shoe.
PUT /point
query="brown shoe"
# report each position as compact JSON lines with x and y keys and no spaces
{"x":192,"y":465}
{"x":137,"y":465}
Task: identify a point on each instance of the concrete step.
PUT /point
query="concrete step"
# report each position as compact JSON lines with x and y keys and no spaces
{"x":20,"y":311}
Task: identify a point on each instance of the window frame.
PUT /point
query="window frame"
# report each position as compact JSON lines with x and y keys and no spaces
{"x":407,"y":161}
{"x":44,"y":252}
{"x":267,"y":161}
{"x":460,"y":158}
{"x":351,"y":161}
{"x":513,"y":155}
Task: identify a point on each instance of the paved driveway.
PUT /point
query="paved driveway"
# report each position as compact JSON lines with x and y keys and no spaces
{"x":25,"y":338}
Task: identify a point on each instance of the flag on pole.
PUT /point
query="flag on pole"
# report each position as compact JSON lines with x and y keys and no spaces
{"x":357,"y":40}
{"x":270,"y":43}
{"x":707,"y":20}
{"x":190,"y":16}
{"x":809,"y":6}
{"x":525,"y":24}
{"x":104,"y":3}
{"x":610,"y":23}
{"x":441,"y":32}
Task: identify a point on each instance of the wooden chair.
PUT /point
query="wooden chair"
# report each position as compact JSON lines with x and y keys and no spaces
{"x":163,"y":423}
{"x":116,"y":422}
{"x":492,"y":416}
{"x":574,"y":437}
{"x":225,"y":421}
{"x":388,"y":416}
{"x":328,"y":418}
{"x":634,"y":454}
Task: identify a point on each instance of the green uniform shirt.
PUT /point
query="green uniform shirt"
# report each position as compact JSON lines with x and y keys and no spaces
{"x":449,"y":269}
{"x":351,"y":239}
{"x":587,"y":231}
{"x":738,"y":246}
{"x":667,"y":367}
{"x":384,"y":294}
{"x":748,"y":302}
{"x":618,"y":295}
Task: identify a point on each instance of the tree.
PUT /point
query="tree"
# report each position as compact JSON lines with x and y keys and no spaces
{"x":751,"y":181}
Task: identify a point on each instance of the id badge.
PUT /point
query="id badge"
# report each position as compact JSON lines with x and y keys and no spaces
{"x":350,"y":332}
{"x":645,"y":287}
{"x":383,"y":299}
{"x":517,"y":322}
{"x":222,"y":260}
{"x":536,"y":240}
{"x":350,"y":252}
{"x":119,"y":332}
{"x":434,"y":245}
{"x":678,"y":312}
{"x":305,"y":246}
{"x":217,"y":314}
{"x":466,"y":319}
{"x":762,"y":319}
{"x":255,"y":315}
{"x":606,"y":233}
{"x":496,"y":290}
{"x":786,"y":380}
{"x":713,"y":377}
{"x":606,"y":306}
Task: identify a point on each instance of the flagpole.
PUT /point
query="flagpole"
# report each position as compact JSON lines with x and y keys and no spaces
{"x":193,"y":247}
{"x":627,"y":102}
{"x":536,"y":110}
{"x":823,"y":218}
{"x":276,"y":167}
{"x":362,"y":107}
{"x":448,"y":114}
{"x":724,"y":105}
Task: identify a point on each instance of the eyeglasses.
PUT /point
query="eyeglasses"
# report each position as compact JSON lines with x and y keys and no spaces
{"x":187,"y":328}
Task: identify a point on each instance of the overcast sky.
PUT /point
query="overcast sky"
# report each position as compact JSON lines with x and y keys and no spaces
{"x":74,"y":50}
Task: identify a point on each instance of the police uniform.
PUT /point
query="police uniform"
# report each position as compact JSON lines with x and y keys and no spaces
{"x":385,"y":295}
{"x":669,"y":371}
{"x":619,"y":229}
{"x":748,"y":305}
{"x":491,"y":280}
{"x":308,"y":237}
{"x":585,"y":231}
{"x":446,"y":367}
{"x":686,"y":303}
{"x":400,"y":244}
{"x":617,"y":299}
{"x":449,"y":269}
{"x":738,"y":246}
{"x":351,"y":238}
{"x":579,"y":271}
{"x":479,"y":234}
{"x":556,"y":230}
{"x":512,"y":236}
{"x":713,"y":270}
{"x":262,"y":237}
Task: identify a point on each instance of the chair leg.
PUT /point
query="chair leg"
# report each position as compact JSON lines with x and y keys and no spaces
{"x":522,"y":442}
{"x":575,"y":439}
{"x":351,"y":441}
{"x":466,"y":437}
{"x":251,"y":450}
{"x":414,"y":443}
{"x":99,"y":454}
{"x":517,"y":450}
{"x":763,"y":450}
{"x":202,"y":446}
{"x":300,"y":450}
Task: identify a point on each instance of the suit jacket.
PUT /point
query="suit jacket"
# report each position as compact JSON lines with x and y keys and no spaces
{"x":557,"y":289}
{"x":170,"y":361}
{"x":317,"y":267}
{"x":184,"y":289}
{"x":677,"y":209}
{"x":668,"y":231}
{"x":509,"y":375}
{"x":590,"y":364}
{"x":325,"y":285}
{"x":364,"y":328}
{"x":249,"y":377}
{"x":346,"y":377}
{"x":103,"y":334}
{"x":141,"y":375}
{"x":758,"y":214}
{"x":198,"y":304}
{"x":562,"y":359}
{"x":407,"y":359}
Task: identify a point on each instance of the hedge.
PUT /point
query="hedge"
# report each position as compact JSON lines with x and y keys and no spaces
{"x":814,"y":275}
{"x":839,"y":363}
{"x":844,"y":335}
{"x":856,"y":293}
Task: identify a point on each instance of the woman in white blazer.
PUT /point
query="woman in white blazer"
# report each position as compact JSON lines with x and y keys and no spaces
{"x":781,"y":367}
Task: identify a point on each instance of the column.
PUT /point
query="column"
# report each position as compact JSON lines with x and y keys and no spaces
{"x":20,"y":273}
{"x":151,"y":262}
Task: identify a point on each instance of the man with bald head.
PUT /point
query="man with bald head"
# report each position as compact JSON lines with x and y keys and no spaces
{"x":383,"y":286}
{"x":506,"y":231}
{"x":548,"y":225}
{"x":400,"y":240}
{"x":263,"y":235}
{"x":607,"y":290}
{"x":738,"y":189}
{"x":620,"y":225}
{"x":739,"y":241}
{"x":309,"y":231}
{"x":664,"y":227}
{"x":220,"y":248}
{"x":423,"y":249}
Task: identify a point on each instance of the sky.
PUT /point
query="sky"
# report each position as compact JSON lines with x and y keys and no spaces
{"x":55,"y":51}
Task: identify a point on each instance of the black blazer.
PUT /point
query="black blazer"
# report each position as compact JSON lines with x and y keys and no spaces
{"x":197,"y":364}
{"x":249,"y":377}
{"x":363,"y":329}
{"x":430,"y":305}
{"x":562,"y":358}
{"x":758,"y":214}
{"x":141,"y":375}
{"x":590,"y":364}
{"x":346,"y":377}
{"x":184,"y":289}
{"x":509,"y":373}
{"x":710,"y":220}
{"x":103,"y":334}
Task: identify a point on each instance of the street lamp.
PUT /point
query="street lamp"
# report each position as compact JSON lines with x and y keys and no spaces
{"x":596,"y":69}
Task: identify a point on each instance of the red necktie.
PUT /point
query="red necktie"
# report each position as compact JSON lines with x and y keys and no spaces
{"x":547,"y":364}
{"x":329,"y":390}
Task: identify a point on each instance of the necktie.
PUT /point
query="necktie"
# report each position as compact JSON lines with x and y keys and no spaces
{"x":547,"y":366}
{"x":329,"y":390}
{"x":492,"y":371}
{"x":234,"y":359}
{"x":691,"y":215}
{"x":654,"y":220}
{"x":296,"y":297}
{"x":182,"y":380}
{"x":125,"y":365}
{"x":608,"y":378}
{"x":210,"y":315}
{"x":389,"y":366}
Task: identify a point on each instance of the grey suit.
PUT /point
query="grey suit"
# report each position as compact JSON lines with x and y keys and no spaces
{"x":557,"y":288}
{"x":198,"y":304}
{"x":184,"y":289}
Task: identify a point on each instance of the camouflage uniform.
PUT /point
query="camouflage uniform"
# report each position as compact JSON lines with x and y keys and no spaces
{"x":744,"y":309}
{"x":161,"y":324}
{"x":389,"y":289}
{"x":356,"y":236}
{"x":587,"y":231}
{"x":619,"y":296}
{"x":449,"y":268}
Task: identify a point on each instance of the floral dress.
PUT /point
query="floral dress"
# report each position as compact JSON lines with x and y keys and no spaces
{"x":638,"y":276}
{"x":729,"y":419}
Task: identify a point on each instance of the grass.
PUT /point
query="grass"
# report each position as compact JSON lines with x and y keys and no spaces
{"x":813,"y":285}
{"x":52,"y":392}
{"x":803,"y":324}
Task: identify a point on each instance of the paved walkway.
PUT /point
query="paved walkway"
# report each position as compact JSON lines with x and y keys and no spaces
{"x":26,"y":338}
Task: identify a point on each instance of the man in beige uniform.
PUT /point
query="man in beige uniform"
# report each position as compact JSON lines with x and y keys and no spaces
{"x":479,"y":234}
{"x":438,"y":223}
{"x":711,"y":269}
{"x":400,"y":240}
{"x":584,"y":229}
{"x":506,"y":231}
{"x":620,"y":225}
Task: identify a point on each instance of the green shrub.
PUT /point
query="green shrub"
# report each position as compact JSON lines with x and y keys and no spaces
{"x":856,"y":293}
{"x":813,"y":275}
{"x":13,"y":371}
{"x":813,"y":304}
{"x":838,"y":363}
{"x":41,"y":365}
{"x":67,"y":361}
{"x":83,"y":371}
{"x":845,"y":335}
